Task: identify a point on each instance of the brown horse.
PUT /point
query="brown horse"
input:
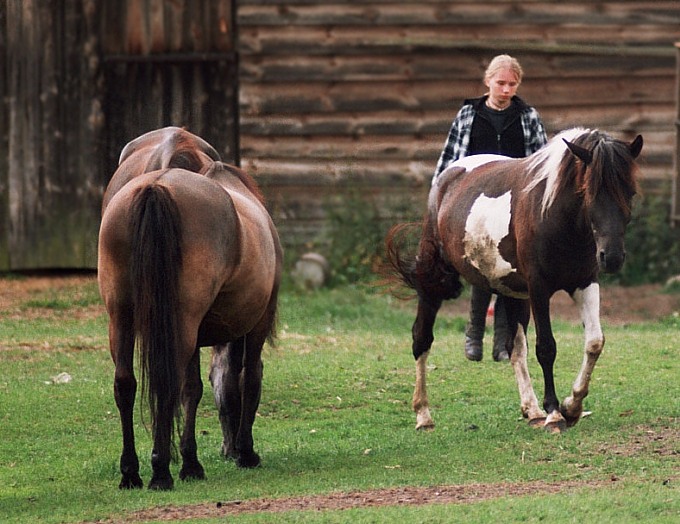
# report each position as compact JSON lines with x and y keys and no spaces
{"x":188,"y":257}
{"x":524,"y":228}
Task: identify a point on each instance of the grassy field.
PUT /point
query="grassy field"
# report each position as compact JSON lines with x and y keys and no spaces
{"x":335,"y":417}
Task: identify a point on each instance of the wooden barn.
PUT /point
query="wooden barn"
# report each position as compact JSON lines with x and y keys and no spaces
{"x":320,"y":100}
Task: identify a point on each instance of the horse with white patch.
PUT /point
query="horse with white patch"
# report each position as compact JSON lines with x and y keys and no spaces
{"x":524,"y":228}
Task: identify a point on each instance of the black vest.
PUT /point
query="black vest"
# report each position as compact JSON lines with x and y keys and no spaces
{"x":484,"y":137}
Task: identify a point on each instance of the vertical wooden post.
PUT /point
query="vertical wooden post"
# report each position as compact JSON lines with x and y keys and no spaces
{"x":675,"y":211}
{"x":4,"y":139}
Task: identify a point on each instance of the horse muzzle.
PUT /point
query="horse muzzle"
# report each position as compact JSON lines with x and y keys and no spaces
{"x":611,"y":261}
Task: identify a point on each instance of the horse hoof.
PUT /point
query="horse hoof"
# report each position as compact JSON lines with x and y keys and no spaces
{"x":556,"y":427}
{"x":248,"y":460}
{"x":195,"y":472}
{"x":424,"y":420}
{"x":131,"y":483}
{"x":570,"y":418}
{"x":161,"y":484}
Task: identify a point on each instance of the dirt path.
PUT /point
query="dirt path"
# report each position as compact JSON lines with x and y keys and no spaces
{"x":406,"y":496}
{"x":619,"y":305}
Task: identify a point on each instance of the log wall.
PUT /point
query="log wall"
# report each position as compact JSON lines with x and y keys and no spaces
{"x":360,"y":94}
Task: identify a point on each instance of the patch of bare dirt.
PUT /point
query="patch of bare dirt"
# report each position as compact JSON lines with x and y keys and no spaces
{"x":618,"y":305}
{"x":17,"y":291}
{"x":404,"y":496}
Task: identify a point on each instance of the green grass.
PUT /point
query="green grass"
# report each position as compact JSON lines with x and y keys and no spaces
{"x":335,"y":416}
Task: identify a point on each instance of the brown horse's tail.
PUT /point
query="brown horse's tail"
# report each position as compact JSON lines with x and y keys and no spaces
{"x":425,"y":271}
{"x":155,"y":266}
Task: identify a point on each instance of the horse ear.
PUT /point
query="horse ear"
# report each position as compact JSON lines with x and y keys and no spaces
{"x":636,"y":146}
{"x":579,"y":152}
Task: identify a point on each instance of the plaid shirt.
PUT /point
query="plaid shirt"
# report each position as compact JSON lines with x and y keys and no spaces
{"x":458,"y":141}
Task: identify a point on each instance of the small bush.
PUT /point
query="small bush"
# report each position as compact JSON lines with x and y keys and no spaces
{"x":652,"y":244}
{"x":355,"y":235}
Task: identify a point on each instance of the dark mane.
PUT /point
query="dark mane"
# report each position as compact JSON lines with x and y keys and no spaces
{"x":612,"y":169}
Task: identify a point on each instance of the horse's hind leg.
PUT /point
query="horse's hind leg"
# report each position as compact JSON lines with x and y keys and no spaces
{"x":251,"y":389}
{"x":423,"y":337}
{"x":121,"y":341}
{"x":236,"y":376}
{"x":589,"y":303}
{"x":518,"y":312}
{"x":191,"y":396}
{"x":225,"y":376}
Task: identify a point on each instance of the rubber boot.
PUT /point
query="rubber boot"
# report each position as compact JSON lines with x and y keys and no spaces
{"x":474,"y":331}
{"x":500,"y":331}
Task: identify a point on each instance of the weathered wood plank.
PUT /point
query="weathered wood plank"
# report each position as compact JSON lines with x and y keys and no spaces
{"x":658,"y":146}
{"x":318,"y":97}
{"x":456,"y":64}
{"x":619,"y":118}
{"x":579,"y":39}
{"x":407,"y":14}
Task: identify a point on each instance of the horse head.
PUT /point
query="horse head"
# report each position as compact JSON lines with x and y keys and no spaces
{"x":608,"y":185}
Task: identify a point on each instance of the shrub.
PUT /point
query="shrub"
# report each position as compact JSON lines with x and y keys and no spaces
{"x":355,"y":236}
{"x":652,"y":244}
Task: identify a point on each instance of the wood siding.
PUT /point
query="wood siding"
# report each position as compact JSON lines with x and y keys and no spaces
{"x":78,"y":80}
{"x":359,"y":95}
{"x":51,"y":185}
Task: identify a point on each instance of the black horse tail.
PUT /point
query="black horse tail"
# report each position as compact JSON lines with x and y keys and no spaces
{"x":156,"y":262}
{"x":425,"y":271}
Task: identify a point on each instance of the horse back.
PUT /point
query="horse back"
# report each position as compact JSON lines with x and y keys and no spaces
{"x":170,"y":147}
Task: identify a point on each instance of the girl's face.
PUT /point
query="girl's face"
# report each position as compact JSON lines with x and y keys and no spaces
{"x":502,"y":87}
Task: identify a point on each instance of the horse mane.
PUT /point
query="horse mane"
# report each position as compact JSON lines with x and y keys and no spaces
{"x":612,"y":168}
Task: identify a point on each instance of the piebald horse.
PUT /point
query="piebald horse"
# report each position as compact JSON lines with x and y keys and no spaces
{"x":524,"y":228}
{"x":188,"y":257}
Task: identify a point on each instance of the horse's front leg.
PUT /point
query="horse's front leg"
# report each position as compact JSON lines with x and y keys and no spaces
{"x":192,"y":391}
{"x":121,"y":341}
{"x":423,"y":337}
{"x":546,"y":352}
{"x":518,"y":312}
{"x":588,"y":300}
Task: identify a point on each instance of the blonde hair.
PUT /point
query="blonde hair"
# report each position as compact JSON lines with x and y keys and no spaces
{"x":503,"y":62}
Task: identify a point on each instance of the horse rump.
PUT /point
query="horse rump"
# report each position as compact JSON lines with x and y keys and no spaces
{"x":424,"y":271}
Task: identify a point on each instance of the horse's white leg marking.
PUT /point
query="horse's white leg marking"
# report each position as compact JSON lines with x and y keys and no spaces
{"x":588,"y":300}
{"x":421,"y":405}
{"x":528,"y":400}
